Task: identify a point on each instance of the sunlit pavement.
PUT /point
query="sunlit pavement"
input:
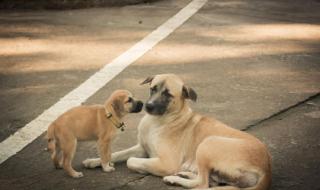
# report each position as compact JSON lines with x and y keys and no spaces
{"x":254,"y":64}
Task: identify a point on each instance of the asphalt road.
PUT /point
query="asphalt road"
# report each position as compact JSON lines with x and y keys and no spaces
{"x":254,"y":64}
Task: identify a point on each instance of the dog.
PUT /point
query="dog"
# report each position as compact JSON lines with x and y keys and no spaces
{"x":94,"y":122}
{"x":192,"y":150}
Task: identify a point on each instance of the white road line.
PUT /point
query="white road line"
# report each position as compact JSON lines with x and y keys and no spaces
{"x":35,"y":128}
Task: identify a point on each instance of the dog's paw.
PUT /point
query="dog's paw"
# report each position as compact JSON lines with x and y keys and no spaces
{"x":77,"y":175}
{"x":58,"y":166}
{"x":171,"y":180}
{"x":91,"y":163}
{"x":108,"y":169}
{"x":186,"y":175}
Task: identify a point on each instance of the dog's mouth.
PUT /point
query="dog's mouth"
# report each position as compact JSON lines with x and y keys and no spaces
{"x":137,"y":107}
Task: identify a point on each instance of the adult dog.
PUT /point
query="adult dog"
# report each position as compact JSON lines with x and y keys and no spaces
{"x":191,"y":150}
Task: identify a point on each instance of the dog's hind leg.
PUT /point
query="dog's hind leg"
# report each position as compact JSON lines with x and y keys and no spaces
{"x":199,"y":181}
{"x":53,"y":146}
{"x":224,"y":169}
{"x":53,"y":150}
{"x":57,"y":157}
{"x":187,"y":175}
{"x":220,"y":188}
{"x":68,"y":154}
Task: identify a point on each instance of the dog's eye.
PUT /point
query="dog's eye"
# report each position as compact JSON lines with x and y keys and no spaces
{"x":130,"y":99}
{"x":153,"y":90}
{"x":166,"y":93}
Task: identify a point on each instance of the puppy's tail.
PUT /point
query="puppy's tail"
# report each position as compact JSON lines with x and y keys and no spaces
{"x":51,"y":139}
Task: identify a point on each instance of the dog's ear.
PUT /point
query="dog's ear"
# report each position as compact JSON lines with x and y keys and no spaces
{"x":118,"y":107}
{"x":147,"y":80}
{"x":189,"y":93}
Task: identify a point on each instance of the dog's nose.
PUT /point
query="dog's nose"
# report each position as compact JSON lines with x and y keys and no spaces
{"x":139,"y":106}
{"x":149,"y":106}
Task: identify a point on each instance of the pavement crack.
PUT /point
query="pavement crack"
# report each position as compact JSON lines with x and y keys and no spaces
{"x":248,"y":127}
{"x":130,"y":181}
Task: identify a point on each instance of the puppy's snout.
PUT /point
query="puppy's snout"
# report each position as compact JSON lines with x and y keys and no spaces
{"x":138,"y":107}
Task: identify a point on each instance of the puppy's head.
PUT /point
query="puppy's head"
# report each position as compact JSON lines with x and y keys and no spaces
{"x":123,"y":102}
{"x":167,"y":94}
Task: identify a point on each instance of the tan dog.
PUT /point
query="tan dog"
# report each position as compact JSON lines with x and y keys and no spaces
{"x":96,"y":122}
{"x":191,"y":150}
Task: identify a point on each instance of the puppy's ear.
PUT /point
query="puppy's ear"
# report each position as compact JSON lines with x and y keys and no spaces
{"x":147,"y":80}
{"x":117,"y":107}
{"x":189,"y":93}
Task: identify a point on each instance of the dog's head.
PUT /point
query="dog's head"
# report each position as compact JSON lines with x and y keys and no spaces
{"x":123,"y":102}
{"x":167,"y":94}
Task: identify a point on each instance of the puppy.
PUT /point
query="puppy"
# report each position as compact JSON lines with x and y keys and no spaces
{"x":95,"y":122}
{"x":192,"y":150}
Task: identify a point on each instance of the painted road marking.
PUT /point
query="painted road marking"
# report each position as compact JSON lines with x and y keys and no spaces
{"x":35,"y":128}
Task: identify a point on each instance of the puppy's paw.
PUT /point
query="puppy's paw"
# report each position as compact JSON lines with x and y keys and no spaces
{"x":91,"y":163}
{"x":171,"y":180}
{"x":108,"y":169}
{"x":58,"y":166}
{"x":77,"y":175}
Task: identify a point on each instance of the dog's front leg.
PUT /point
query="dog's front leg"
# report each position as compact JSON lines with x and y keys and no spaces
{"x":135,"y":151}
{"x":105,"y":155}
{"x":155,"y":166}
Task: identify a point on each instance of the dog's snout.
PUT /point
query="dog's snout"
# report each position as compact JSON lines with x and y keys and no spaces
{"x":149,"y":107}
{"x":155,"y":108}
{"x":137,"y":106}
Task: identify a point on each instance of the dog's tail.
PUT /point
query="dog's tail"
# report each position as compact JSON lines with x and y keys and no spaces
{"x":51,"y":139}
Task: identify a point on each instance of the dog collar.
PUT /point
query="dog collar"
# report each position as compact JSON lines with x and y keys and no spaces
{"x":119,"y":125}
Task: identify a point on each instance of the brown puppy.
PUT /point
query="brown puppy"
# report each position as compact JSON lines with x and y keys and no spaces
{"x":96,"y":122}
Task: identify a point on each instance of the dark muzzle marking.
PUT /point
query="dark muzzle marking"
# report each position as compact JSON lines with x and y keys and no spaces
{"x":137,"y":107}
{"x":160,"y":100}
